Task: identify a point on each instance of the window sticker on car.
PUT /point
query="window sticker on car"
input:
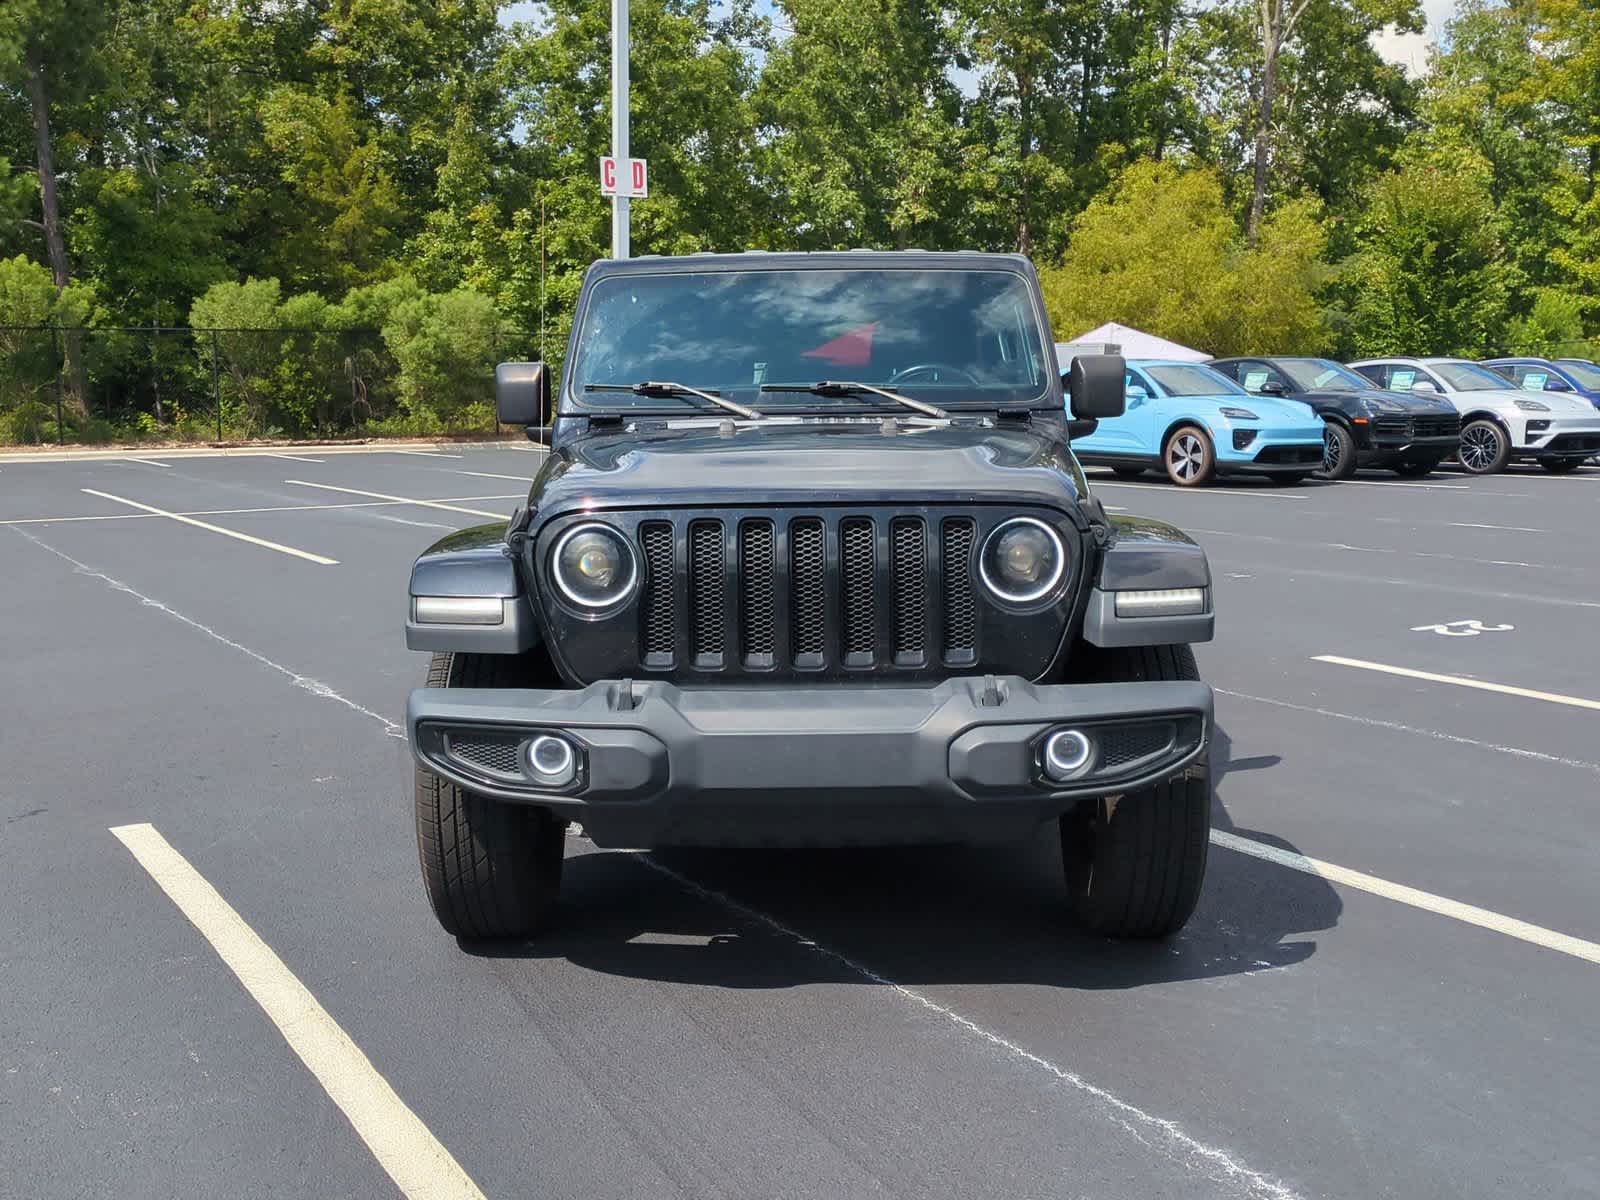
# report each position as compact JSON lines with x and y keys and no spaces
{"x":1253,"y":380}
{"x":1534,"y":381}
{"x":1402,"y":380}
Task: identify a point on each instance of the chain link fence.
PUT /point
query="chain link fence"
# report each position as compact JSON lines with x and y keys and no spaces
{"x":98,"y":384}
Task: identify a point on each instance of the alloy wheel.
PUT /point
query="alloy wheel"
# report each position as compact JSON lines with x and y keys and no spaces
{"x":1480,"y":446}
{"x":1332,"y":454}
{"x":1187,"y":456}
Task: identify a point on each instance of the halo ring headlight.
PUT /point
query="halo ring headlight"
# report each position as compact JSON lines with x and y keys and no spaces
{"x":1022,"y":560}
{"x":594,"y":566}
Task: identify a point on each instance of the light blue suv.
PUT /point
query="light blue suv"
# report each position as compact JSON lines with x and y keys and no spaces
{"x":1195,"y":424}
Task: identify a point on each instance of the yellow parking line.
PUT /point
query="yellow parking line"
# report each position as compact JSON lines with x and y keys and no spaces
{"x":1505,"y":689}
{"x":319,"y":559}
{"x":476,"y":512}
{"x":405,"y":1148}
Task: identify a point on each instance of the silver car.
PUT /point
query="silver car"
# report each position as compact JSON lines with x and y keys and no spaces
{"x":1499,"y":422}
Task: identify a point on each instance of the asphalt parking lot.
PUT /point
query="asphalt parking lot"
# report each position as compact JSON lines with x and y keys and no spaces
{"x":211,"y":647}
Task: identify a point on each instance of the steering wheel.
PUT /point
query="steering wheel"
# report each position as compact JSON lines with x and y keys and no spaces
{"x":935,"y":369}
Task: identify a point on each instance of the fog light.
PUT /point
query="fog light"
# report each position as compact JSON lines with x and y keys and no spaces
{"x":1066,"y":754}
{"x":551,"y":760}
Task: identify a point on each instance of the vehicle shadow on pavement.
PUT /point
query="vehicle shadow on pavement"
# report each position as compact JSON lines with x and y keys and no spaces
{"x":916,"y":916}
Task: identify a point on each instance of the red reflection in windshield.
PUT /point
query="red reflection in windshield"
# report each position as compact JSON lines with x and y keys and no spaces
{"x":852,"y":348}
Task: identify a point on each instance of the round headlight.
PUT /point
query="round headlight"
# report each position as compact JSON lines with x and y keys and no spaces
{"x":594,"y":566}
{"x":1022,"y":560}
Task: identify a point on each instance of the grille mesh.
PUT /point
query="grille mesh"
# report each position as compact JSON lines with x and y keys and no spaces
{"x":808,"y":602}
{"x":1128,"y":744}
{"x":757,"y":592}
{"x":908,"y":540}
{"x":857,"y":569}
{"x":498,"y":756}
{"x":706,"y":587}
{"x":656,"y":625}
{"x":960,"y":608}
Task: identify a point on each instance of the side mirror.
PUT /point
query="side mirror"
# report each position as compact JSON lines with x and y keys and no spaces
{"x":1557,"y":384}
{"x":1095,"y":386}
{"x":1135,"y":391}
{"x":1272,"y":388}
{"x":521,"y":393}
{"x":1424,"y":385}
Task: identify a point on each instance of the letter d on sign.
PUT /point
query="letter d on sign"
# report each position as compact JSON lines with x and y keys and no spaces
{"x":636,"y":179}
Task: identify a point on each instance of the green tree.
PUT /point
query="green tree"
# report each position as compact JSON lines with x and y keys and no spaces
{"x":1160,"y":251}
{"x":1430,"y":273}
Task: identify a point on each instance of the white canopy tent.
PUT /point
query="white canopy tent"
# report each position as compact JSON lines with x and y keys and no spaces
{"x":1127,"y":341}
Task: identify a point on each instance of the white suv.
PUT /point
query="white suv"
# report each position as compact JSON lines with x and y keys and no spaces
{"x":1499,"y":422}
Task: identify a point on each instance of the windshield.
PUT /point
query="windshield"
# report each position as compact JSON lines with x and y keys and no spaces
{"x":1320,"y":374}
{"x":1586,"y":375}
{"x":1470,"y":377}
{"x":942,"y":335}
{"x":1194,"y":381}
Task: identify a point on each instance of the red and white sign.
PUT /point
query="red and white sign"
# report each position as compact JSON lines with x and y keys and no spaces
{"x":623,"y":177}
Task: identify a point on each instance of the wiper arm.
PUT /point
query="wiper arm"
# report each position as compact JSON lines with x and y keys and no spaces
{"x":845,"y":387}
{"x":663,"y":387}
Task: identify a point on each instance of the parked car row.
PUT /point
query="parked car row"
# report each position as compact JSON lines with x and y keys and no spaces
{"x":1290,"y":417}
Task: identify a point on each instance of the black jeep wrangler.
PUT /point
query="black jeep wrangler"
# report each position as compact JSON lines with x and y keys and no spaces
{"x":810,"y":563}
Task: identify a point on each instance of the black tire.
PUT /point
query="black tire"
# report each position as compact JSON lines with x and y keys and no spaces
{"x":1561,"y":466}
{"x":1134,"y":864}
{"x":1127,"y":472}
{"x":1338,"y":452}
{"x":491,"y":870}
{"x":1485,"y":448}
{"x":1416,"y":468}
{"x":1188,"y":457}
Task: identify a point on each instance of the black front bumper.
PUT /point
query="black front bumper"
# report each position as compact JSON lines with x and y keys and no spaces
{"x":958,"y":761}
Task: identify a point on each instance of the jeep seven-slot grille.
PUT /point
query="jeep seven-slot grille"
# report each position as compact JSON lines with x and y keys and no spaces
{"x":706,"y":592}
{"x":856,"y":592}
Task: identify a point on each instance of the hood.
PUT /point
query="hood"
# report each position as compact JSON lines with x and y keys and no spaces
{"x":1279,"y":410}
{"x":807,"y":463}
{"x":1382,"y":401}
{"x":1559,"y":403}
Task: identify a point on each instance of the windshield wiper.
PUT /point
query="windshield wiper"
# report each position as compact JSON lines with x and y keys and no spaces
{"x":664,"y":387}
{"x":844,"y":387}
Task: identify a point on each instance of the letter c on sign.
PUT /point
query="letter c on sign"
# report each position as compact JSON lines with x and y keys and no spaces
{"x":608,"y":172}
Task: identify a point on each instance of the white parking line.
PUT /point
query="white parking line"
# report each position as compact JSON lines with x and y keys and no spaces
{"x":1395,"y":483}
{"x":1481,"y":685}
{"x":491,"y":475}
{"x":1160,"y":1133}
{"x":229,"y":512}
{"x":1195,"y":491}
{"x":319,"y":559}
{"x":1505,"y":528}
{"x":151,"y":463}
{"x":429,"y":453}
{"x":1348,"y":548}
{"x":1471,"y":914}
{"x":475,"y":512}
{"x":1577,"y":764}
{"x":296,"y":458}
{"x":405,"y":1148}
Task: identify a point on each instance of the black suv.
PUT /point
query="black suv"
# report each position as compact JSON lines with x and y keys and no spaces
{"x":810,"y":563}
{"x":1364,"y":426}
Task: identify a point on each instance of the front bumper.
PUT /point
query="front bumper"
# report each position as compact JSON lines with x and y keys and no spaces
{"x":958,"y":761}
